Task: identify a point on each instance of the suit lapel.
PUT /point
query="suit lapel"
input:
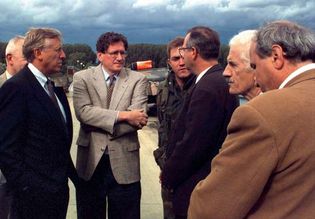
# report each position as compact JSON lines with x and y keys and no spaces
{"x":41,"y":95}
{"x":64,"y":102}
{"x":119,"y":89}
{"x":100,"y":84}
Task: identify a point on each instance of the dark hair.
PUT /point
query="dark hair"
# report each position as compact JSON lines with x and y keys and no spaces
{"x":177,"y":42}
{"x":108,"y":38}
{"x":205,"y":40}
{"x":297,"y":42}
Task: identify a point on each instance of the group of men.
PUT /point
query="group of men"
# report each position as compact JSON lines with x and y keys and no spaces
{"x":217,"y":159}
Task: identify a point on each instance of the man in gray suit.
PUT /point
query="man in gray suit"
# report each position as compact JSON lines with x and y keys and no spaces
{"x":110,"y":103}
{"x":15,"y":62}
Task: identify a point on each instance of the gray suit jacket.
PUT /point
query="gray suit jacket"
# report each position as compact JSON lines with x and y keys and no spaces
{"x":121,"y":139}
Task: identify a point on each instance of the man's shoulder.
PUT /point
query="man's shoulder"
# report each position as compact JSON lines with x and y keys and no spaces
{"x":133,"y":74}
{"x":87,"y":72}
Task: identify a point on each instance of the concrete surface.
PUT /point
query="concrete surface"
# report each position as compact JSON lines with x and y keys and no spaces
{"x":151,"y":202}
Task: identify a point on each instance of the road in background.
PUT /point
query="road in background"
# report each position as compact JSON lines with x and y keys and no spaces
{"x":151,"y":202}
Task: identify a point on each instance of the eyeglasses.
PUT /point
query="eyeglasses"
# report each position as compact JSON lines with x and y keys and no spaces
{"x":115,"y":54}
{"x":181,"y":50}
{"x":58,"y":50}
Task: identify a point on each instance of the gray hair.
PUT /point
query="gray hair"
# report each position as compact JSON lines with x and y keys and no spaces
{"x":243,"y":39}
{"x":297,"y":42}
{"x":35,"y":39}
{"x":12,"y":44}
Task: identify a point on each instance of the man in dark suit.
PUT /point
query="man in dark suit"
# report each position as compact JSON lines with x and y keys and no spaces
{"x":201,"y":126}
{"x":36,"y":131}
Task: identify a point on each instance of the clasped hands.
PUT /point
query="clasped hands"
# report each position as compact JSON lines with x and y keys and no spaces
{"x":137,"y":118}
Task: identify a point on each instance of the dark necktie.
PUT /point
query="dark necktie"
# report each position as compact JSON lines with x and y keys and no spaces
{"x":110,"y":89}
{"x":50,"y":88}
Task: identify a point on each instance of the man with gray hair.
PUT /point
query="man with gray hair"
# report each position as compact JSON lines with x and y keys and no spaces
{"x":15,"y":62}
{"x":265,"y":168}
{"x":239,"y":74}
{"x":14,"y":58}
{"x":36,"y":131}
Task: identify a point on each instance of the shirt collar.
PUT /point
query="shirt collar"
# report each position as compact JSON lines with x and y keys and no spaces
{"x":297,"y":72}
{"x":8,"y":75}
{"x":41,"y":78}
{"x":106,"y":75}
{"x":202,"y":74}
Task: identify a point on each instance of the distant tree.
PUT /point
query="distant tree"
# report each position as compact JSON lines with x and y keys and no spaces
{"x":79,"y":55}
{"x":3,"y":45}
{"x":158,"y":54}
{"x":141,"y":52}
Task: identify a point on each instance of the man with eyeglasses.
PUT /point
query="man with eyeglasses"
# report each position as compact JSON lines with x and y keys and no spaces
{"x":170,"y":97}
{"x":36,"y":131}
{"x":110,"y":102}
{"x":200,"y":128}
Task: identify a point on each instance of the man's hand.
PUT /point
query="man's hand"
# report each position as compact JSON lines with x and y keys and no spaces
{"x":137,"y":118}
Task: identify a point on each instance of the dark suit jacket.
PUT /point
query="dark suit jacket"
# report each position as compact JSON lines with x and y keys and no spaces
{"x":198,"y":134}
{"x":34,"y":141}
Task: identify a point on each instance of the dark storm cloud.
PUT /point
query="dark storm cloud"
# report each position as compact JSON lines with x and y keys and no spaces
{"x":144,"y":21}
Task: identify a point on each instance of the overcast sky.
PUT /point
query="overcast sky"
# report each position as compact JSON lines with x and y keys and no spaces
{"x":147,"y":21}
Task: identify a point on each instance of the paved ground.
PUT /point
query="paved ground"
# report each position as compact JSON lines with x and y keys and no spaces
{"x":151,"y":203}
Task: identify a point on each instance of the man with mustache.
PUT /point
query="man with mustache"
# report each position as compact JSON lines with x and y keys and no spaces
{"x":239,"y":73}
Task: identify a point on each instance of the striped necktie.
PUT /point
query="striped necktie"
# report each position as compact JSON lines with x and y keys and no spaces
{"x":110,"y":89}
{"x":50,"y":87}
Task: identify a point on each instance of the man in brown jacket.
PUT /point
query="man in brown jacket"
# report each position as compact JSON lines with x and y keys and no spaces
{"x":265,"y":168}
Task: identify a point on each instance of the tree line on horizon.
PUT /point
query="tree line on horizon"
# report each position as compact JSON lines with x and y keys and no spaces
{"x":82,"y":56}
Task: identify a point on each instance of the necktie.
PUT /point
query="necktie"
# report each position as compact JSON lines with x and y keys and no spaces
{"x":110,"y":89}
{"x":50,"y":88}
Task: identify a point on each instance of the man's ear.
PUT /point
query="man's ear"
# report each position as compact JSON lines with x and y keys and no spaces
{"x":38,"y":53}
{"x":194,"y":52}
{"x":99,"y":56}
{"x":8,"y":58}
{"x":277,"y":55}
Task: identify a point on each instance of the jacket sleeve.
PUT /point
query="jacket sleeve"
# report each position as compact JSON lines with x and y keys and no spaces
{"x":139,"y":101}
{"x":239,"y":172}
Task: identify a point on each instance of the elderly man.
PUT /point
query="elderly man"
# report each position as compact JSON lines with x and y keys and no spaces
{"x":15,"y":62}
{"x":14,"y":58}
{"x":200,"y":127}
{"x":36,"y":131}
{"x":238,"y":72}
{"x":265,"y":168}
